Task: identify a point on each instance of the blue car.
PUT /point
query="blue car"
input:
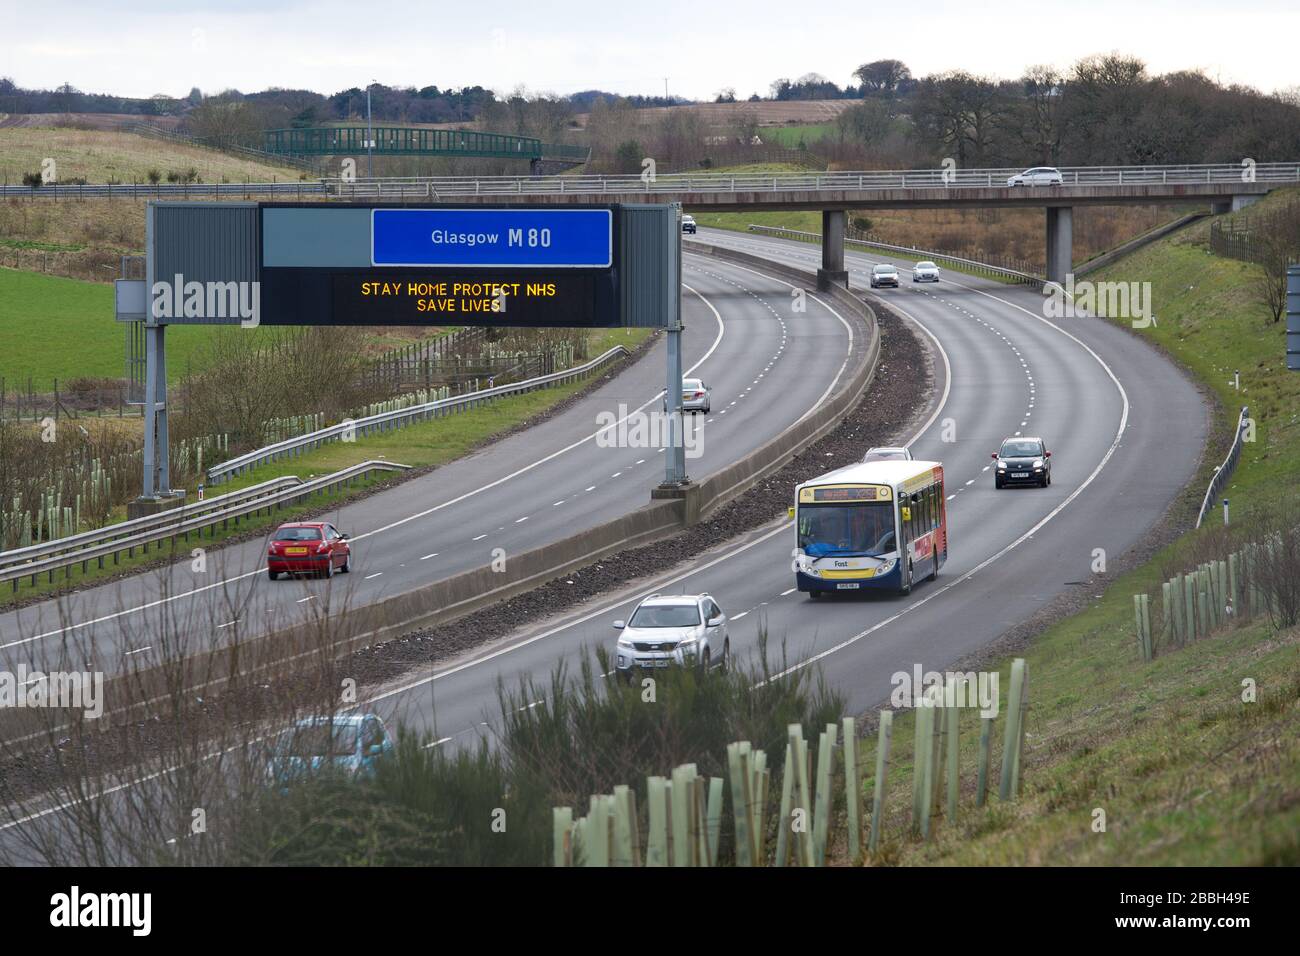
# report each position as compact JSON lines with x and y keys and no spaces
{"x":350,"y":743}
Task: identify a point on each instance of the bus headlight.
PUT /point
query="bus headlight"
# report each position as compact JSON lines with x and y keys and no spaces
{"x":886,"y":566}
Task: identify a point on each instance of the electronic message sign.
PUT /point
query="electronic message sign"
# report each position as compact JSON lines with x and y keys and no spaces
{"x":375,"y":265}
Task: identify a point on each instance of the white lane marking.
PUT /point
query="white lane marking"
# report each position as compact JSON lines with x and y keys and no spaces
{"x":375,"y":575}
{"x":479,"y":538}
{"x":740,"y":615}
{"x":848,"y":353}
{"x":310,"y":597}
{"x":428,"y":556}
{"x":521,"y":520}
{"x":228,"y":624}
{"x":139,"y":650}
{"x":790,"y":591}
{"x":401,"y":521}
{"x":557,"y":503}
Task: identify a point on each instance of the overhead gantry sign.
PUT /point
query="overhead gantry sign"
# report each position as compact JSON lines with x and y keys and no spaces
{"x":314,"y":264}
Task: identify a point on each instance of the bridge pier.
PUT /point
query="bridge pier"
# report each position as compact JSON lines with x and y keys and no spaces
{"x":832,"y":270}
{"x":1060,"y":242}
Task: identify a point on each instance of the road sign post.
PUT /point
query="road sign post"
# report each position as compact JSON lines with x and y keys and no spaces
{"x":1293,"y":318}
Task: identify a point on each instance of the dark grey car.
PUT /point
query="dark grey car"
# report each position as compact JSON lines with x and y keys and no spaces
{"x":1022,"y":461}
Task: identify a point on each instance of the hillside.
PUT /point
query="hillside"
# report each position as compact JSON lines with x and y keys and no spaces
{"x":100,"y":156}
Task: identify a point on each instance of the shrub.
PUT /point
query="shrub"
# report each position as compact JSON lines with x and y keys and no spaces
{"x":558,"y":741}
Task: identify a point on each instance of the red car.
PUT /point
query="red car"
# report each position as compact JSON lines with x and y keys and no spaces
{"x":315,"y":547}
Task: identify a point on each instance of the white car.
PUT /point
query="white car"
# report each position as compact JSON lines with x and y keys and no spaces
{"x":669,"y":630}
{"x":1038,"y":176}
{"x":688,"y":224}
{"x":925,"y":272}
{"x":887,"y":453}
{"x":696,"y":396}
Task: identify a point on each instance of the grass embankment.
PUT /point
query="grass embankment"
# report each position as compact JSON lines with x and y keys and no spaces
{"x":429,"y":443}
{"x":1186,"y":772}
{"x":100,"y":156}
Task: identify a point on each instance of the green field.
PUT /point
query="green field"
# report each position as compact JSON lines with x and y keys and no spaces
{"x":1186,"y":772}
{"x":64,"y":328}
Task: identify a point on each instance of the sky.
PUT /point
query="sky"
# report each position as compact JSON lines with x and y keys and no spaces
{"x":691,"y":48}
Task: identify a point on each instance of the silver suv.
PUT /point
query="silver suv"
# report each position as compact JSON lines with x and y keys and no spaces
{"x":673,"y":629}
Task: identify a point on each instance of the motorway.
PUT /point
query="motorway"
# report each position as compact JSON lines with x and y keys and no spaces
{"x":1126,"y":428}
{"x":536,"y":486}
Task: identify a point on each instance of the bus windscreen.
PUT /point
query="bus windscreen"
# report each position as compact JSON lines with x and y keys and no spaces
{"x":863,"y":528}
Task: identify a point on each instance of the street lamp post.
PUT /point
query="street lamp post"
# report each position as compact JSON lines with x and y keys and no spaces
{"x":370,"y":137}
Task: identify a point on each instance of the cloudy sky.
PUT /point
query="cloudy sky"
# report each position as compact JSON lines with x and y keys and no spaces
{"x":143,"y":47}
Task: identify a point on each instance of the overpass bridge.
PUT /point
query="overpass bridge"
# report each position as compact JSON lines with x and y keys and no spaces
{"x":1224,"y":187}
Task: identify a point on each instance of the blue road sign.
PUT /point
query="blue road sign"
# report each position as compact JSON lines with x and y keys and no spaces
{"x":493,"y":238}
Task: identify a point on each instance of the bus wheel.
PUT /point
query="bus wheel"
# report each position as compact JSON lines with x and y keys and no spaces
{"x":934,"y":575}
{"x":905,"y":586}
{"x":814,"y":595}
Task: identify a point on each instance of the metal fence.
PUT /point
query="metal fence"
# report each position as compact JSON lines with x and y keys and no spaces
{"x":250,"y":153}
{"x":796,"y":182}
{"x":1223,"y":473}
{"x":1234,"y":239}
{"x":125,"y":537}
{"x":399,"y":418}
{"x":676,"y":183}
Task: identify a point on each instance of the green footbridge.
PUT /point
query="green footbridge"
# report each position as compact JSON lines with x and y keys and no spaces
{"x":419,"y":141}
